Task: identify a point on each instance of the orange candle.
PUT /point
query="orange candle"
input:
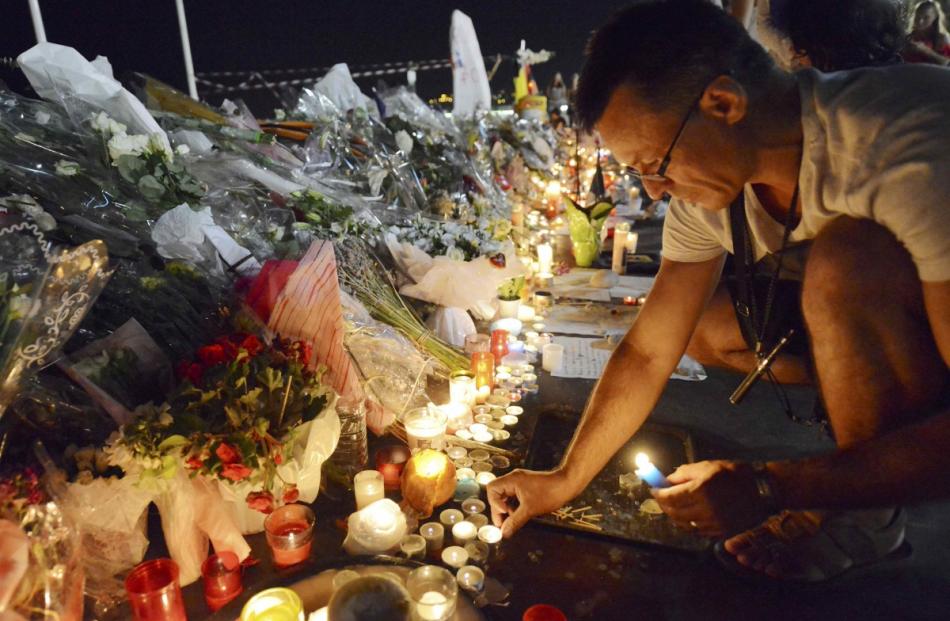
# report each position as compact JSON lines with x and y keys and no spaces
{"x":483,"y":368}
{"x":499,"y":344}
{"x":289,"y":531}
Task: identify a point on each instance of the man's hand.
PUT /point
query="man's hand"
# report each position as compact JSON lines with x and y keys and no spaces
{"x":521,"y":495}
{"x":713,"y":498}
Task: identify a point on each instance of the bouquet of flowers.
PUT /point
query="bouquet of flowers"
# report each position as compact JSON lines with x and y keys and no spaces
{"x":459,"y":241}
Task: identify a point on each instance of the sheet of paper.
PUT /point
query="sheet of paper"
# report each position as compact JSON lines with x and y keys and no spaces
{"x":634,"y":286}
{"x":589,"y":319}
{"x":586,"y":358}
{"x":576,"y":285}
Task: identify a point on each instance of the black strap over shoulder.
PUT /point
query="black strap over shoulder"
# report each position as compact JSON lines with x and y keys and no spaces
{"x":743,"y":294}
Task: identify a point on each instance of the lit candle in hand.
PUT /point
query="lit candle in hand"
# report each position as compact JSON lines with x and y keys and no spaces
{"x":649,"y":473}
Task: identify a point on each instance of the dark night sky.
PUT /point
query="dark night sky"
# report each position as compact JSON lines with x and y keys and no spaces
{"x":241,"y":34}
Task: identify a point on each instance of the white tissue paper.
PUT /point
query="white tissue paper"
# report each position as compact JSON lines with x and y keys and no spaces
{"x":56,"y":70}
{"x":338,"y":86}
{"x":375,"y":529}
{"x":181,"y":233}
{"x":469,"y":285}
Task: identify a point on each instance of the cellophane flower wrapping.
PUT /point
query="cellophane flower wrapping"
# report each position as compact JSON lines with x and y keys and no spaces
{"x":50,"y":583}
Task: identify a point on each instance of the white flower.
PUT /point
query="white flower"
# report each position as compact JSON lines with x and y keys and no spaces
{"x":157,"y":145}
{"x":182,"y":149}
{"x":65,"y":168}
{"x":455,"y":254}
{"x":404,"y":141}
{"x":123,"y":144}
{"x":42,"y":117}
{"x":107,"y":126}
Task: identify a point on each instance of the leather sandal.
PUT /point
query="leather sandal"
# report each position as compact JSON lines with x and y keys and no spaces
{"x":811,"y":546}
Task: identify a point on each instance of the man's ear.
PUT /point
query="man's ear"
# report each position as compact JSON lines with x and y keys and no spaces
{"x":725,"y":99}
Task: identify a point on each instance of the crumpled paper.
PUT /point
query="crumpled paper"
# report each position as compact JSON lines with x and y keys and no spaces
{"x":375,"y":529}
{"x":181,"y":233}
{"x":470,"y":285}
{"x":56,"y":70}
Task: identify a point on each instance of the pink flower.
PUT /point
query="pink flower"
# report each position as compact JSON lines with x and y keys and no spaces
{"x":260,"y":501}
{"x":227,"y":453}
{"x":236,"y":472}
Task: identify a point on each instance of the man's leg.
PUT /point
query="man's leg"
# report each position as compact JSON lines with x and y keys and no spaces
{"x":717,"y":342}
{"x":876,"y":361}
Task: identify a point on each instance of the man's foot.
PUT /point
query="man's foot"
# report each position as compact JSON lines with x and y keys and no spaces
{"x":812,"y":546}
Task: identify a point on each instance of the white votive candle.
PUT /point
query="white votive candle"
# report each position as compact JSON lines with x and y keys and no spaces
{"x":473,"y":505}
{"x":451,"y":517}
{"x":552,"y":357}
{"x":471,"y":578}
{"x":489,"y":534}
{"x":433,"y":533}
{"x":516,"y":410}
{"x":483,"y":436}
{"x":545,"y":258}
{"x":463,"y":532}
{"x":484,"y":478}
{"x":508,"y":420}
{"x":368,"y":487}
{"x":425,"y":428}
{"x":455,"y":556}
{"x":479,"y":520}
{"x":432,"y":606}
{"x":465,"y":473}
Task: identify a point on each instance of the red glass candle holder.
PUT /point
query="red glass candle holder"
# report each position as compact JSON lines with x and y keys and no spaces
{"x":499,"y":344}
{"x":483,"y":368}
{"x":390,"y":460}
{"x":289,"y":531}
{"x":154,"y":591}
{"x":221,"y":574}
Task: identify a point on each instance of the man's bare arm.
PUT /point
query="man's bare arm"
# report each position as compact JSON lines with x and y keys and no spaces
{"x":623,"y":398}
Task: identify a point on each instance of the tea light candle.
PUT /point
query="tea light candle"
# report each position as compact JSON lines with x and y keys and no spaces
{"x":471,"y":578}
{"x":531,"y":337}
{"x":629,"y":300}
{"x":368,"y":487}
{"x":276,"y":603}
{"x":500,"y":461}
{"x":464,"y":462}
{"x":342,"y":577}
{"x":463,"y":532}
{"x":530,"y":387}
{"x":647,"y":472}
{"x":483,"y":436}
{"x":451,"y":517}
{"x":465,"y":488}
{"x":531,"y":351}
{"x":495,"y":424}
{"x":508,"y":420}
{"x":433,"y":533}
{"x":456,"y":452}
{"x":502,"y":377}
{"x":500,"y":435}
{"x":515,"y":410}
{"x":502,"y":369}
{"x":484,"y":478}
{"x":538,"y":326}
{"x":478,"y":552}
{"x":553,"y":355}
{"x":544,"y":279}
{"x":483,"y":418}
{"x":543,"y":300}
{"x":463,"y":434}
{"x":543,"y":339}
{"x":464,"y":473}
{"x":489,"y":534}
{"x":482,"y":409}
{"x":479,"y":455}
{"x":477,"y":428}
{"x":478,"y":519}
{"x":525,"y":313}
{"x":545,"y":258}
{"x":455,"y":556}
{"x":529,"y":378}
{"x":413,"y":547}
{"x":481,"y":466}
{"x":473,"y":505}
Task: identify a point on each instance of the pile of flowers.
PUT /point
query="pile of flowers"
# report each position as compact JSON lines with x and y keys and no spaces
{"x":239,"y":406}
{"x":460,"y":241}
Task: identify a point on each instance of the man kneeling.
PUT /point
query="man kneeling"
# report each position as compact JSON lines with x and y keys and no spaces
{"x":848,"y":171}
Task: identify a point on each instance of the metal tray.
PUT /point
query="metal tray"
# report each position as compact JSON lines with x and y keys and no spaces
{"x":668,"y":447}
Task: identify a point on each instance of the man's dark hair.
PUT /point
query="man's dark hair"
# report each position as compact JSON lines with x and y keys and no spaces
{"x":842,"y":34}
{"x":667,"y":51}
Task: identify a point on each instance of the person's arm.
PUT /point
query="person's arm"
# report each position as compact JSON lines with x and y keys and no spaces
{"x":909,"y":464}
{"x":630,"y":386}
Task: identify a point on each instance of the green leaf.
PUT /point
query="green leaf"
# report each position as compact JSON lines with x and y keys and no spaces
{"x":172,"y":442}
{"x":169,"y":467}
{"x":234,"y":417}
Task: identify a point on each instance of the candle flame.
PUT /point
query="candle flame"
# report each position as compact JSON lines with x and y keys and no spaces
{"x":642,"y":460}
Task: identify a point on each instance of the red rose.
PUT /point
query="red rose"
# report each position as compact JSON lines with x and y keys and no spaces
{"x":211,"y":355}
{"x":291,"y":494}
{"x":191,"y":371}
{"x":194,"y":462}
{"x":230,"y":349}
{"x":278,"y":458}
{"x":236,"y":472}
{"x":227,"y":453}
{"x":251,"y":345}
{"x":260,"y":501}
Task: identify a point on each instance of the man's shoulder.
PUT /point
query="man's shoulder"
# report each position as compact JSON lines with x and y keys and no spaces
{"x":874,"y":92}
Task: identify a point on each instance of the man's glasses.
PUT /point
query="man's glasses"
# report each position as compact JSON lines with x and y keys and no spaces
{"x":660,"y":175}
